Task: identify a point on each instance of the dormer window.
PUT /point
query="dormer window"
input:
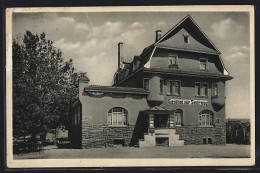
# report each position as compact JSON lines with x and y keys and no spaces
{"x":173,"y":61}
{"x":146,"y":84}
{"x":203,"y":64}
{"x":186,"y":38}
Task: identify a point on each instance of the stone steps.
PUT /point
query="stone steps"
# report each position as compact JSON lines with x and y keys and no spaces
{"x":150,"y":138}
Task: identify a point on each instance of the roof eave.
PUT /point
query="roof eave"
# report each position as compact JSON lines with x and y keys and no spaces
{"x":187,"y":74}
{"x":114,"y":91}
{"x":188,"y":50}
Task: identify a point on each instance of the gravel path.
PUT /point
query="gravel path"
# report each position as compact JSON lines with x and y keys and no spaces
{"x":186,"y":151}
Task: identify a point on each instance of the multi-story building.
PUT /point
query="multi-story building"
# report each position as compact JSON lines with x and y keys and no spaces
{"x":172,"y":94}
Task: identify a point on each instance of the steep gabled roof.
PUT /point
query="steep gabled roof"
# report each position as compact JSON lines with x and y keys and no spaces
{"x":201,"y":44}
{"x":201,"y":41}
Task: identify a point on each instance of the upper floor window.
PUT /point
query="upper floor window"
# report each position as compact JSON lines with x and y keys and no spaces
{"x":204,"y":89}
{"x":177,"y":87}
{"x":206,"y":118}
{"x":197,"y":89}
{"x":201,"y":89}
{"x":169,"y":87}
{"x":173,"y":61}
{"x":214,"y":89}
{"x":117,"y":116}
{"x":203,"y":64}
{"x":174,"y":87}
{"x":146,"y":84}
{"x":161,"y":86}
{"x":186,"y":38}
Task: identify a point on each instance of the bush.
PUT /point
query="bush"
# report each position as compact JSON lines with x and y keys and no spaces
{"x":26,"y":147}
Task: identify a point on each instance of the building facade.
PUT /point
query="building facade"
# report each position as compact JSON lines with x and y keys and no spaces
{"x":172,"y":94}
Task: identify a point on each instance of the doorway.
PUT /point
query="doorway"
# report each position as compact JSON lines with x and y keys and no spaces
{"x":161,"y":121}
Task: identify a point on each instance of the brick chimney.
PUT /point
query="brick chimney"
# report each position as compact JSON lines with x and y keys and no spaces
{"x":83,"y":82}
{"x":158,"y":35}
{"x":120,"y":55}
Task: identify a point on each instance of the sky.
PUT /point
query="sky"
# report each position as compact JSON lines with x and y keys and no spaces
{"x":91,"y":39}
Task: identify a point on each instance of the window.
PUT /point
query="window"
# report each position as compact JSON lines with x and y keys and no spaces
{"x":203,"y":64}
{"x":214,"y":89}
{"x":169,"y":87}
{"x":146,"y":84}
{"x":206,"y":118}
{"x":201,"y":89}
{"x":204,"y":89}
{"x":207,"y":140}
{"x":186,"y":39}
{"x":117,"y":116}
{"x":173,"y":61}
{"x":177,"y":87}
{"x":178,"y":114}
{"x":174,"y":87}
{"x":197,"y":89}
{"x":161,"y":86}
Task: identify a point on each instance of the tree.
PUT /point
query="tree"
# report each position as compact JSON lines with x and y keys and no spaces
{"x":44,"y":86}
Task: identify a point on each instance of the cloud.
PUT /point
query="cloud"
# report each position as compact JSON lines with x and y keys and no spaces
{"x":100,"y":69}
{"x":66,"y":46}
{"x":227,"y":28}
{"x":82,"y":26}
{"x":136,"y":25}
{"x":238,"y":53}
{"x":161,"y":24}
{"x":96,"y":54}
{"x":239,"y":48}
{"x":64,"y":20}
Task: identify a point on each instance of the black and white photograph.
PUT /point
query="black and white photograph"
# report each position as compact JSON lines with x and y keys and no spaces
{"x":128,"y":86}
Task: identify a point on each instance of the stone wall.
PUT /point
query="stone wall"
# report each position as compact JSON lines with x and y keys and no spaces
{"x":193,"y":134}
{"x":100,"y":136}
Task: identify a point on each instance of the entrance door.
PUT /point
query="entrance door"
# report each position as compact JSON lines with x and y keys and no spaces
{"x":161,"y":121}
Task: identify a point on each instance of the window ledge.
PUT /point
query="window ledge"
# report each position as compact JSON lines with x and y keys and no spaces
{"x":206,"y":126}
{"x":177,"y":95}
{"x":117,"y":125}
{"x":201,"y":96}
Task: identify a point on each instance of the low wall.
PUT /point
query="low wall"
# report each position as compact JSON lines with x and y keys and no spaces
{"x":193,"y":134}
{"x":100,"y":136}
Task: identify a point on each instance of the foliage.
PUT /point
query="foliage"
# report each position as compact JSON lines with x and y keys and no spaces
{"x":44,"y":86}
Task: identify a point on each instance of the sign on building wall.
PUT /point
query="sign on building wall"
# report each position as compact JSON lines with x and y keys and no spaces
{"x":187,"y":102}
